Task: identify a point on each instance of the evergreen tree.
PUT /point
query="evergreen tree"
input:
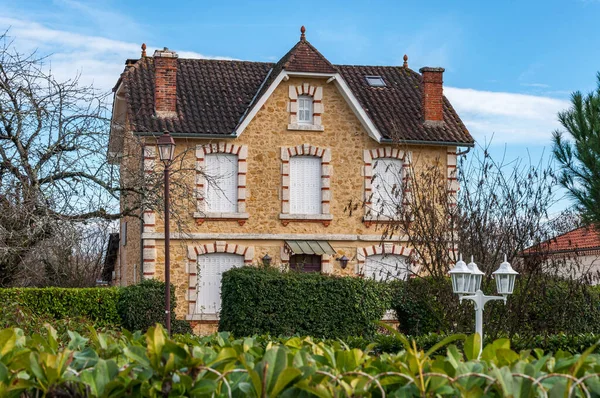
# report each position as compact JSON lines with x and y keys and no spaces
{"x":579,"y":156}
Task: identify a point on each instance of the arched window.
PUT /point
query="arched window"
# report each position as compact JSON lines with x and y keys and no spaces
{"x":210,"y":268}
{"x":386,"y":267}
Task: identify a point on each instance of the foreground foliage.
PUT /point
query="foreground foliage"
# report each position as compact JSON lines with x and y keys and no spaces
{"x":219,"y":365}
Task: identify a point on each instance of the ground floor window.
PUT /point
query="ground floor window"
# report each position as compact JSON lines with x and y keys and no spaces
{"x":386,"y":267}
{"x":305,"y":262}
{"x":210,"y":268}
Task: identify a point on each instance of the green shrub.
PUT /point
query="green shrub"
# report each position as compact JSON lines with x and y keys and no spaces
{"x":541,"y":305}
{"x":143,"y":305}
{"x":98,"y":305}
{"x":267,"y":301}
{"x":153,"y":365}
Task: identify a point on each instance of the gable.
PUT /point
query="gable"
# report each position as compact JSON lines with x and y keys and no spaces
{"x":335,"y":79}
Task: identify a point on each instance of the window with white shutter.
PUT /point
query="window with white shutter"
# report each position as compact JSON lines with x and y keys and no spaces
{"x":386,"y":267}
{"x":305,"y":109}
{"x":210,"y":269}
{"x":305,"y":185}
{"x":222,"y":183}
{"x":386,"y":186}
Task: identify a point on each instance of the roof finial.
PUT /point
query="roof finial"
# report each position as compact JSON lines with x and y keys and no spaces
{"x":405,"y":61}
{"x":302,"y":36}
{"x":143,"y":50}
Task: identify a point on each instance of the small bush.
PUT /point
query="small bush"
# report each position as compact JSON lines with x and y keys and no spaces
{"x":143,"y":305}
{"x":267,"y":301}
{"x":98,"y":305}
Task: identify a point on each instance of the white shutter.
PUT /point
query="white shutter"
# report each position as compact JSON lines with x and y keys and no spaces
{"x":210,"y":270}
{"x":222,"y":176}
{"x":305,"y":185}
{"x":386,"y":267}
{"x":387,"y":186}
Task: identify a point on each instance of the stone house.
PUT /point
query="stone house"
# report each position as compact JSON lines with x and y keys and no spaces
{"x":291,"y":143}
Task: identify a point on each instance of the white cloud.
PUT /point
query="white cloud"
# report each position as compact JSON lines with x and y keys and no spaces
{"x":507,"y":117}
{"x":98,"y":60}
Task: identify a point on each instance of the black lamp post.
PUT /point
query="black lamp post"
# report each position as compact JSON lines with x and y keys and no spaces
{"x":166,"y":151}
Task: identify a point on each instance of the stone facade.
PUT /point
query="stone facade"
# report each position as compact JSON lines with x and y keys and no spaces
{"x":264,"y":148}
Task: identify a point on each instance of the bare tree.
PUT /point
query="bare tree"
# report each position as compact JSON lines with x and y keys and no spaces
{"x":53,"y":168}
{"x":501,"y":208}
{"x":55,"y":175}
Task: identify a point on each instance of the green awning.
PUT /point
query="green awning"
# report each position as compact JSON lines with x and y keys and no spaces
{"x":309,"y":247}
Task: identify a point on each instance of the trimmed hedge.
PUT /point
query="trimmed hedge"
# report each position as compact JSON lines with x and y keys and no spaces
{"x":99,"y":305}
{"x":143,"y":305}
{"x":540,"y":306}
{"x":267,"y":301}
{"x":135,"y":307}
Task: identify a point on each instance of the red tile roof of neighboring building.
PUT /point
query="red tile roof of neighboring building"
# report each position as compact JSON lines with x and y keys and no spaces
{"x":580,"y":239}
{"x":214,"y":96}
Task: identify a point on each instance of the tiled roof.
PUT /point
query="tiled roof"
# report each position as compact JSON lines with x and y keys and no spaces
{"x":580,"y":239}
{"x":396,"y":109}
{"x":213,"y":96}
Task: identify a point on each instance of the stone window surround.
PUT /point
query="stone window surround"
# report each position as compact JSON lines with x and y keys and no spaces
{"x":194,"y":251}
{"x":149,"y":220}
{"x":306,"y":150}
{"x":451,"y":164}
{"x":387,"y":248}
{"x":305,"y":89}
{"x":370,"y":156}
{"x":242,"y":155}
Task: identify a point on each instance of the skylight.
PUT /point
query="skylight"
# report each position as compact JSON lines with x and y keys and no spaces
{"x":375,"y":81}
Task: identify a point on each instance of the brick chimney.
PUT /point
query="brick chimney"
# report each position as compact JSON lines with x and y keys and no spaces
{"x":165,"y":83}
{"x":433,"y":100}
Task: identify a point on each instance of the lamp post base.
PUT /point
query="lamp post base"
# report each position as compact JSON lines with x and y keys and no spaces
{"x":480,"y":299}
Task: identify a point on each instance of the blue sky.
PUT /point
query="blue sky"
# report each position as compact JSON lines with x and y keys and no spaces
{"x":510,"y":66}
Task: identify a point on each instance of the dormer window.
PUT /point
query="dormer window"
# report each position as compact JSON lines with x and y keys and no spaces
{"x":375,"y":81}
{"x":305,"y":109}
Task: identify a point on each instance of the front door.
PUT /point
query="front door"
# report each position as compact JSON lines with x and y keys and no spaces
{"x":210,"y":268}
{"x":305,"y":262}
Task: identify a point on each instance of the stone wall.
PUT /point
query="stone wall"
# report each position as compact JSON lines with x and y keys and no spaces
{"x":344,"y":139}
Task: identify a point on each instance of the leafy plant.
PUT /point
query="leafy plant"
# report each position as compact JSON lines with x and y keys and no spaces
{"x":221,"y":365}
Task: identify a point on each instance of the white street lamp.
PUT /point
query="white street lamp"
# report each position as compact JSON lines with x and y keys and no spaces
{"x":476,"y":276}
{"x":505,"y":283}
{"x":461,"y":277}
{"x":505,"y":277}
